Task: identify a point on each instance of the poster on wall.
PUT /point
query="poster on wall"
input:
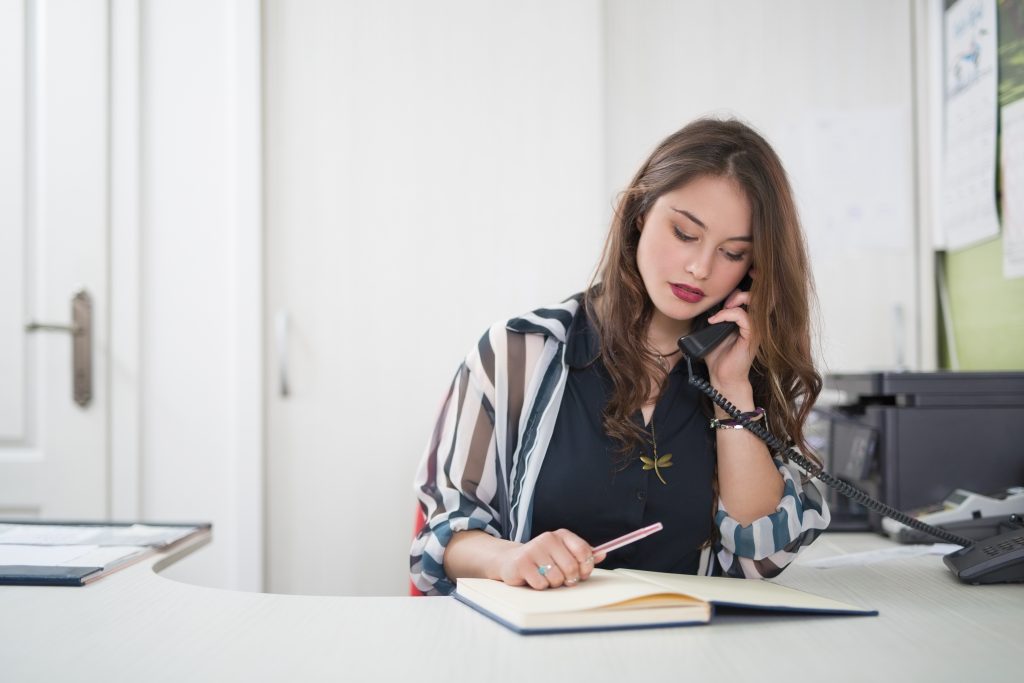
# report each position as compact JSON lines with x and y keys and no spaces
{"x":1011,"y":126}
{"x":969,"y":174}
{"x":1013,"y":188}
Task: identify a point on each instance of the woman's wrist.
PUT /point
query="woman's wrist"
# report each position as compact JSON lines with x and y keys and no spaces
{"x":475,"y":553}
{"x":495,"y":562}
{"x":742,"y":421}
{"x":739,"y":393}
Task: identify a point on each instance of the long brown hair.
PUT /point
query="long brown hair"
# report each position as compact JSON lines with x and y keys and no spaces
{"x":783,"y":377}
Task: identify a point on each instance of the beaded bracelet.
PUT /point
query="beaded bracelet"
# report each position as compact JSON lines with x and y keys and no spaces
{"x":754,"y":415}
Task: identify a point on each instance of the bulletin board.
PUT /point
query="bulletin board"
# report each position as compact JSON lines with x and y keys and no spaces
{"x":985,"y":280}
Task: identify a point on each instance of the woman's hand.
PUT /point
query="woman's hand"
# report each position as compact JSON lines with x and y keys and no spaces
{"x":565,"y":558}
{"x":750,"y":485}
{"x":729,"y":363}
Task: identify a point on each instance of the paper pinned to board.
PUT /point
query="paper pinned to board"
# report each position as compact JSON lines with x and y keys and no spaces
{"x":969,"y":168}
{"x":1013,"y":189}
{"x":874,"y":556}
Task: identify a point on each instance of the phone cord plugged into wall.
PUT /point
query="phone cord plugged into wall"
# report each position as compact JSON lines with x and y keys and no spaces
{"x":786,"y":452}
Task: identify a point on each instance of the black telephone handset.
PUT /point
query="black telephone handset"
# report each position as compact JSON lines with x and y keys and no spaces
{"x":699,"y":344}
{"x":998,"y":559}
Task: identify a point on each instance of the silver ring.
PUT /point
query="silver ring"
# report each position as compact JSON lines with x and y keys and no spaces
{"x":543,"y":569}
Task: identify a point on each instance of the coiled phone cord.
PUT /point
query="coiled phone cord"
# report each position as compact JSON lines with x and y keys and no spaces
{"x":851,"y":492}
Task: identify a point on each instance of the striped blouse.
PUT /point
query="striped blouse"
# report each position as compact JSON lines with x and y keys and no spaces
{"x":490,"y":438}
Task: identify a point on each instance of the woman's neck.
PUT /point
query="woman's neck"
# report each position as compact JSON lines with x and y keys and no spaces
{"x":663,"y":333}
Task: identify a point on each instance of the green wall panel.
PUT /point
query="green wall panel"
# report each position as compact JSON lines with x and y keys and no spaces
{"x":987,"y":309}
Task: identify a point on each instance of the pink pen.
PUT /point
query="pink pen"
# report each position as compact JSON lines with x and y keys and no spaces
{"x":626,"y":539}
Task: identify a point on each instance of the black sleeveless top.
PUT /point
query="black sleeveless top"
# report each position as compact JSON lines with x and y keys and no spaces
{"x":587,"y":487}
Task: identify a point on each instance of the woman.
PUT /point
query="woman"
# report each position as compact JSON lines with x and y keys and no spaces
{"x":575,"y":423}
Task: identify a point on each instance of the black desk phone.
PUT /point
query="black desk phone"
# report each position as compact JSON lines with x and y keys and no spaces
{"x":997,"y":559}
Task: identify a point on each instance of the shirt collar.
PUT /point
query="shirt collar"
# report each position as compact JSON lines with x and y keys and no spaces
{"x":569,"y":323}
{"x":583,"y":345}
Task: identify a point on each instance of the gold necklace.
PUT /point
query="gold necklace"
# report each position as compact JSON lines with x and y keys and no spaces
{"x":663,"y":359}
{"x":656,"y":463}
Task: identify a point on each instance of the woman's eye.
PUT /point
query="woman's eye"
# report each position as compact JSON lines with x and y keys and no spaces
{"x":733,"y":256}
{"x":682,"y":235}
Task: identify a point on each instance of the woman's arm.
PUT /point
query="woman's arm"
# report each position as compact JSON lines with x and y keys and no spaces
{"x":474,"y":554}
{"x":460,"y":502}
{"x":768,"y":545}
{"x":453,"y":501}
{"x":767,"y":512}
{"x":749,"y":483}
{"x":478,"y":554}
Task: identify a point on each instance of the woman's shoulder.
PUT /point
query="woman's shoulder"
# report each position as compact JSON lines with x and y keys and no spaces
{"x":550,"y":321}
{"x":514,"y":345}
{"x":533,"y":329}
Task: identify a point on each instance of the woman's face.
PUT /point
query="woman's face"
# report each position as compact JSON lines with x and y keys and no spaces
{"x":695,"y":247}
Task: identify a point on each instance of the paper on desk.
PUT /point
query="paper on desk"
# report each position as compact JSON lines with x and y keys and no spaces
{"x":42,"y":555}
{"x":56,"y":534}
{"x":105,"y":556}
{"x":143,"y":534}
{"x":873,"y":556}
{"x":66,"y":555}
{"x":46,"y":534}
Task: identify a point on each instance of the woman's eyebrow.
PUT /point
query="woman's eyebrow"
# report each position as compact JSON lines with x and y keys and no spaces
{"x":691,"y":217}
{"x":742,"y":238}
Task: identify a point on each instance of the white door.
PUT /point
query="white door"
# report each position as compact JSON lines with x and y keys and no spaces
{"x":53,"y":243}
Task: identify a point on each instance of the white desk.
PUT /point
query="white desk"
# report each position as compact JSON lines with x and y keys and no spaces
{"x":137,"y":626}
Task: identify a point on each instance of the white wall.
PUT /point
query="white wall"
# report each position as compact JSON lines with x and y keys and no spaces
{"x":830,"y":84}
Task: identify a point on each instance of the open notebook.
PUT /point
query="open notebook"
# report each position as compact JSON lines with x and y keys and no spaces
{"x":627,"y":598}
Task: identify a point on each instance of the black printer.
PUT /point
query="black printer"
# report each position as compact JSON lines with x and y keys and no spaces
{"x":910,"y":438}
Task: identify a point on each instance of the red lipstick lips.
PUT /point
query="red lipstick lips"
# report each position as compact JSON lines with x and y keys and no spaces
{"x":686,"y":293}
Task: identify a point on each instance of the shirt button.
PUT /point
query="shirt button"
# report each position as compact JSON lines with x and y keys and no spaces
{"x":641,"y":495}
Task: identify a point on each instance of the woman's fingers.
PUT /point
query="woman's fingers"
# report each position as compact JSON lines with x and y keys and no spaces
{"x":581,"y":552}
{"x":732,"y":358}
{"x":737,"y":298}
{"x":553,"y":559}
{"x":737,"y":315}
{"x":559,"y":565}
{"x":530,"y":569}
{"x":569,"y":570}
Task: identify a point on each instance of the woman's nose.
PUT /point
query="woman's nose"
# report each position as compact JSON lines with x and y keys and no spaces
{"x":699,"y":268}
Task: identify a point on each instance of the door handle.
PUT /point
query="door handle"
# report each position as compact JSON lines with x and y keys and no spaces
{"x":281,"y":328}
{"x":81,"y":345}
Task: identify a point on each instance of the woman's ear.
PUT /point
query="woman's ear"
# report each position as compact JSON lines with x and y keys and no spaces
{"x":748,"y":280}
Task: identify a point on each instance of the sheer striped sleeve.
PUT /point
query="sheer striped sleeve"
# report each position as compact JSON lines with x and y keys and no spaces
{"x":766,"y":546}
{"x":456,"y":483}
